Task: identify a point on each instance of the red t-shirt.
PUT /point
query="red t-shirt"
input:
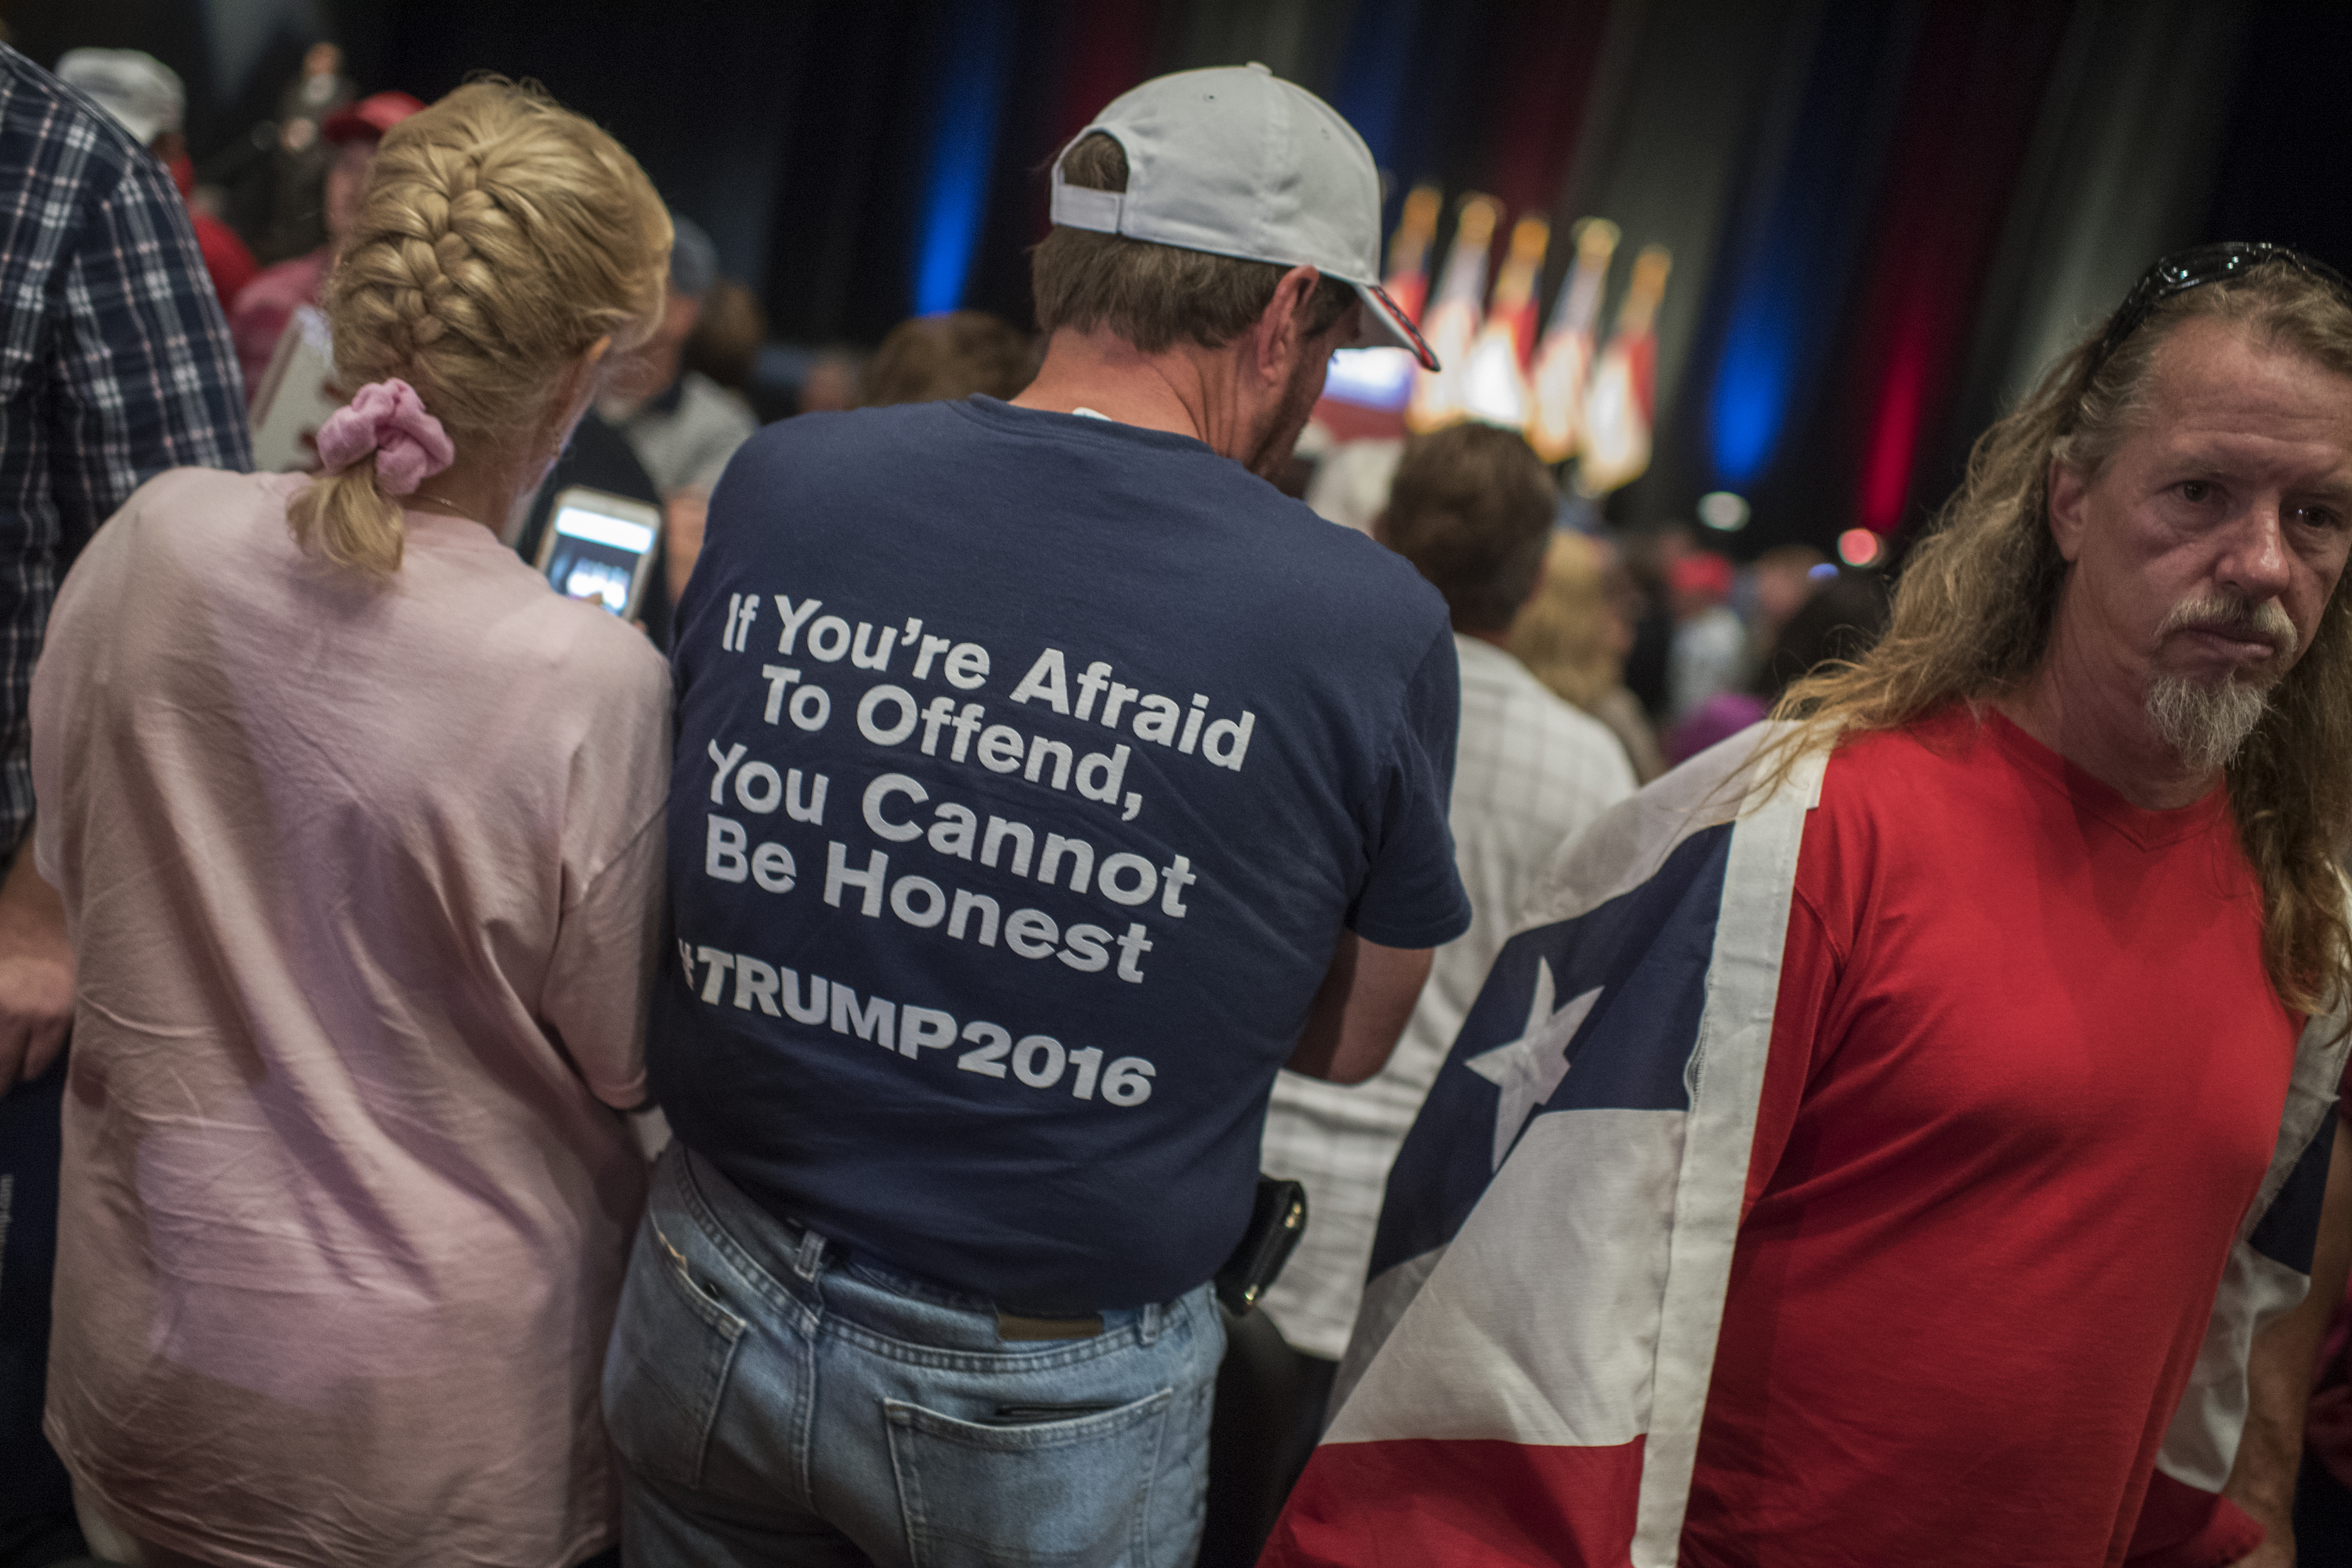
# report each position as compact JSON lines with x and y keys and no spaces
{"x":2027,"y":1076}
{"x":226,"y":257}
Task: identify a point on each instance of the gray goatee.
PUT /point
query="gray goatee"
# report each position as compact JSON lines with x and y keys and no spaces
{"x":2207,"y":724}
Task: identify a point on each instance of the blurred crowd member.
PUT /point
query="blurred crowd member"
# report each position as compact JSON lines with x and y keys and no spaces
{"x":1352,"y":482}
{"x":1650,"y":557}
{"x":2322,"y":1509}
{"x":1573,"y":634}
{"x":259,"y":315}
{"x":1708,"y":654}
{"x":1715,"y":652}
{"x":359,"y":830}
{"x":1718,"y":718}
{"x":1472,"y":509}
{"x":145,"y":98}
{"x":1841,"y":621}
{"x":129,"y":375}
{"x":932,"y":358}
{"x":1783,"y":579}
{"x":292,"y":221}
{"x":2293,"y":1468}
{"x":926,"y":1278}
{"x":728,"y":335}
{"x":728,"y":332}
{"x":682,"y":425}
{"x":830,"y":381}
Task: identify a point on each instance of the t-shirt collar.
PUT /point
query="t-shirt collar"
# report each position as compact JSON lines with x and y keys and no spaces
{"x":2148,"y":829}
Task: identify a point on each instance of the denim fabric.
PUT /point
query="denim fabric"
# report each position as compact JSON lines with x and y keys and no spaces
{"x":774,"y":1400}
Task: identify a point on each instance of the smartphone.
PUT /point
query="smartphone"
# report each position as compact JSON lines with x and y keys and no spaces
{"x":600,"y":547}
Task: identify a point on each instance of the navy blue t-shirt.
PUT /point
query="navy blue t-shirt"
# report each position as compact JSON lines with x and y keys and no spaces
{"x":1028,"y":767}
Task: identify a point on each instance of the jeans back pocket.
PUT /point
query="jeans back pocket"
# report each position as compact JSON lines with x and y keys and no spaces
{"x":674,"y":1341}
{"x":1073,"y":1493}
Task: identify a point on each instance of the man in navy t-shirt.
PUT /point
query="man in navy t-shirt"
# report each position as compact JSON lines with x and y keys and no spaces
{"x":1046,"y":781}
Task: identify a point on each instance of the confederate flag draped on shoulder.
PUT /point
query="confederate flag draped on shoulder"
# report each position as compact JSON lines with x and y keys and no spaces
{"x":1532,"y":1361}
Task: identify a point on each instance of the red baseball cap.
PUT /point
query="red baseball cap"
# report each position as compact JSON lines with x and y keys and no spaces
{"x":1702,"y":572}
{"x":369,"y":118}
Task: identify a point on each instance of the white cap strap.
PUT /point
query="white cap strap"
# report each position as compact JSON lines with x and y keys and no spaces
{"x":1076,"y":206}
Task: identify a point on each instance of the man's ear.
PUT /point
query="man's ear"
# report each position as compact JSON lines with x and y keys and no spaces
{"x":1281,"y":325}
{"x":2068,"y":495}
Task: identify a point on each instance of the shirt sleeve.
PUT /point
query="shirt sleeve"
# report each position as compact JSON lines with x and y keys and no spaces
{"x":600,"y":976}
{"x":600,"y":980}
{"x":145,"y":376}
{"x":1413,"y":896}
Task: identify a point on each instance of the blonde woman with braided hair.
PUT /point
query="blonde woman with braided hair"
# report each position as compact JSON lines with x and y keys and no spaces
{"x":359,"y":829}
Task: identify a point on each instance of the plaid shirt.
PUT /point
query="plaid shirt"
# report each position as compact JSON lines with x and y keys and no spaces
{"x":114,"y":361}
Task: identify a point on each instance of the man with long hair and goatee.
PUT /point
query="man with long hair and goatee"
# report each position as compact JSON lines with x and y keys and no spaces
{"x":1885,"y":1134}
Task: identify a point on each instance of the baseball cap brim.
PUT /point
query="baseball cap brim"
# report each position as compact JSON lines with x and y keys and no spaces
{"x":1386,"y":326}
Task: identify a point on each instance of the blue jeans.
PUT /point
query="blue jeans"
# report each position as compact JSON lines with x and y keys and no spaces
{"x":774,"y":1400}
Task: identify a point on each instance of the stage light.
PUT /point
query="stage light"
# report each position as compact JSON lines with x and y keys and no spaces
{"x":1751,"y":394}
{"x":1372,"y":378}
{"x":1901,"y":405}
{"x":1723,"y":509}
{"x":963,"y":143}
{"x":1822,"y":572}
{"x":1859,"y":547}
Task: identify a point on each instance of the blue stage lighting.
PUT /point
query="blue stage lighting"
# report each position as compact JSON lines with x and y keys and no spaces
{"x":963,"y":145}
{"x":1752,"y":383}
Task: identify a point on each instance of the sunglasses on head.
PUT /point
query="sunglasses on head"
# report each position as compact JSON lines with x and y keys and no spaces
{"x":2185,"y":269}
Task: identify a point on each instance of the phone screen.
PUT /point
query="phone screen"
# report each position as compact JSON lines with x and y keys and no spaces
{"x":595,"y":555}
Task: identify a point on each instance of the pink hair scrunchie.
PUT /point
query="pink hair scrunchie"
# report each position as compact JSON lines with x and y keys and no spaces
{"x":387,"y":418}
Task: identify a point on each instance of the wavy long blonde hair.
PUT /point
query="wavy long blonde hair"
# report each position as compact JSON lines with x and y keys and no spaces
{"x":1975,"y":602}
{"x":500,"y":236}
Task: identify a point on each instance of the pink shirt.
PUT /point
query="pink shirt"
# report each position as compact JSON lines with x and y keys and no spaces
{"x":364,"y":884}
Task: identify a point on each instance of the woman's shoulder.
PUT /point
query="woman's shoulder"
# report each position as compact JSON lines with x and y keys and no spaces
{"x":619,"y":651}
{"x":152,"y":531}
{"x":588,"y":648}
{"x":216,"y":488}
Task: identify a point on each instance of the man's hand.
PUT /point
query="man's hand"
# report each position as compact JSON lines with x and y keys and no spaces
{"x":36,"y":973}
{"x":2278,"y":1377}
{"x":2273,"y":1553}
{"x":1354,"y":1021}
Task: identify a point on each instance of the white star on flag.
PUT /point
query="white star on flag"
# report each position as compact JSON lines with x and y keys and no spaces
{"x":1529,"y":1068}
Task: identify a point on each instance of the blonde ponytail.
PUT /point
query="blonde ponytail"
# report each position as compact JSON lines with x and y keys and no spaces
{"x":344,"y":519}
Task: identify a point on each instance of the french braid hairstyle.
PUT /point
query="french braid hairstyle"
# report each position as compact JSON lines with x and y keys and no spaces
{"x":501,"y":235}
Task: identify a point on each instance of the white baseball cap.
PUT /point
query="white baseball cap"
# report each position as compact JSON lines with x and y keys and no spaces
{"x":140,"y":92}
{"x":1236,"y":162}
